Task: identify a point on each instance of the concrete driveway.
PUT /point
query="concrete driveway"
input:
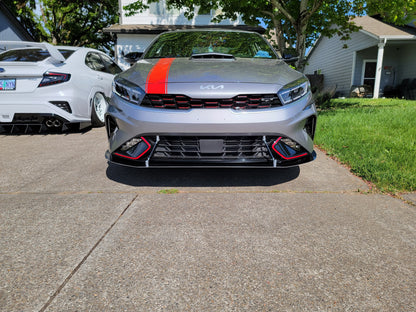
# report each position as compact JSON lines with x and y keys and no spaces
{"x":79,"y":235}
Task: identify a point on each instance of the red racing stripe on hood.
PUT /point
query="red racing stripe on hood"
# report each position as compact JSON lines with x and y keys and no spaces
{"x":157,"y":79}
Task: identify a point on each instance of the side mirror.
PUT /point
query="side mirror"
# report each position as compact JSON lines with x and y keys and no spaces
{"x":289,"y":58}
{"x":132,"y":57}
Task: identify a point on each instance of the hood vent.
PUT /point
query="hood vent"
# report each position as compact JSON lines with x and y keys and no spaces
{"x":213,"y":55}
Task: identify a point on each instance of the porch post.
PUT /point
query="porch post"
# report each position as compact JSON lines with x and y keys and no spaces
{"x":380,"y":55}
{"x":354,"y":63}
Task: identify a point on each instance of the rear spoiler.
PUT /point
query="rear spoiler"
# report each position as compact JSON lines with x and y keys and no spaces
{"x":53,"y":51}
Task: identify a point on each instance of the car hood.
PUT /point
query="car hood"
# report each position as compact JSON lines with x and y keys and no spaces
{"x":209,"y":73}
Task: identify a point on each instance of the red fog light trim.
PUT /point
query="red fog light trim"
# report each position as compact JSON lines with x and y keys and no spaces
{"x":136,"y":158}
{"x":287,"y":158}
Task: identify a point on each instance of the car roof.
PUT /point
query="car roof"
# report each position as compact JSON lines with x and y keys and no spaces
{"x":76,"y":51}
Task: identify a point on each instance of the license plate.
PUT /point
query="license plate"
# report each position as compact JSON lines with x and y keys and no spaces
{"x":7,"y":84}
{"x":207,"y":146}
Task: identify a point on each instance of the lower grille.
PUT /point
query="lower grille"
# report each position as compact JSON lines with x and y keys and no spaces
{"x":256,"y":101}
{"x":211,"y":149}
{"x":310,"y":126}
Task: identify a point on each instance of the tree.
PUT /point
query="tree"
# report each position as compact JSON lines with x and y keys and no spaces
{"x":296,"y":24}
{"x":399,"y":12}
{"x":77,"y":23}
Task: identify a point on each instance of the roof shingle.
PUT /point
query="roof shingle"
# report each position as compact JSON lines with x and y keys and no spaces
{"x":383,"y":30}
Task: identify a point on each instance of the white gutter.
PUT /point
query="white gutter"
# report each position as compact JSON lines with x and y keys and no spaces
{"x":53,"y":51}
{"x":401,"y":37}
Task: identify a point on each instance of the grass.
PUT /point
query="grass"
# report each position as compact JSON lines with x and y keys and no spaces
{"x":168,"y":191}
{"x":375,"y":138}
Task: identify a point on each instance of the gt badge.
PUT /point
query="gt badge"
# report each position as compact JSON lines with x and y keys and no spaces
{"x":211,"y":87}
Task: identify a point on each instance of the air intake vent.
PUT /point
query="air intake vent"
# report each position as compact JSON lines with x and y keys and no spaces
{"x":62,"y":105}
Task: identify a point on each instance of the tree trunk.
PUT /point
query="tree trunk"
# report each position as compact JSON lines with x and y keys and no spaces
{"x":301,"y":47}
{"x":301,"y":26}
{"x":281,"y":42}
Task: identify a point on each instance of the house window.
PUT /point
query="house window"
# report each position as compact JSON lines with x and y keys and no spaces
{"x":369,"y":73}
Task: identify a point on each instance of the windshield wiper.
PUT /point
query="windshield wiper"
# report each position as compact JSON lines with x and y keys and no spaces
{"x":212,"y":55}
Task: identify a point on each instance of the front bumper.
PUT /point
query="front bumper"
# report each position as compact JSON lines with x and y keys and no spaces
{"x":277,"y":137}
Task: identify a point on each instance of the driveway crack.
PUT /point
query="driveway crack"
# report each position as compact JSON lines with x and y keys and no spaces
{"x":75,"y":270}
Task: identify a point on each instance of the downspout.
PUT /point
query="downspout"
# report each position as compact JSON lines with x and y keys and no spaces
{"x":379,"y":68}
{"x":120,"y":12}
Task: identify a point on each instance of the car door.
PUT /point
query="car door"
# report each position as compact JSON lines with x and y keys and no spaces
{"x":111,"y":69}
{"x":94,"y":61}
{"x":104,"y":70}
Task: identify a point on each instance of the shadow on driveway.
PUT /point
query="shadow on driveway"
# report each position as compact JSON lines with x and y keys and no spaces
{"x":197,"y":177}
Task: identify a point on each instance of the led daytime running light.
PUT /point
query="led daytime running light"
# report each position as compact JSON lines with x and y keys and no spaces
{"x":294,"y":91}
{"x":128,"y":91}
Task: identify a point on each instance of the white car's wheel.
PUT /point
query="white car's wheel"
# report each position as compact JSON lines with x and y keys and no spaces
{"x":99,"y":108}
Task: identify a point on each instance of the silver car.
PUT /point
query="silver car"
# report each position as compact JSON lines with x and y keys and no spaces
{"x":210,"y":98}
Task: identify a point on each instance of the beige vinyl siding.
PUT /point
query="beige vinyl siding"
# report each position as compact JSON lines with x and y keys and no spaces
{"x":335,"y":62}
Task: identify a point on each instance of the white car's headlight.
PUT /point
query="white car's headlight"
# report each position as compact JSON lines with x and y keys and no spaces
{"x":294,"y":91}
{"x":128,"y":90}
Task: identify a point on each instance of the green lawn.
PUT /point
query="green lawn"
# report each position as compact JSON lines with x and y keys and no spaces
{"x":375,"y":138}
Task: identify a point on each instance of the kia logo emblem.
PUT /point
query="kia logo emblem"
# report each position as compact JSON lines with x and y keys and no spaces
{"x":2,"y":70}
{"x":211,"y":87}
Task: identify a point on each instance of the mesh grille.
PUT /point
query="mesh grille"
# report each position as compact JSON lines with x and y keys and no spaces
{"x":232,"y":149}
{"x":238,"y":102}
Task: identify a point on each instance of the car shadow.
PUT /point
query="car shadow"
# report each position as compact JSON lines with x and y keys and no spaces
{"x":200,"y":177}
{"x":40,"y":130}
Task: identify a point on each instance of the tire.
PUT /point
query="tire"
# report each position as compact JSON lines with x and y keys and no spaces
{"x":99,"y":108}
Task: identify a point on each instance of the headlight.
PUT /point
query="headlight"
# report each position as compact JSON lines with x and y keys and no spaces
{"x":128,"y":90}
{"x":294,"y":91}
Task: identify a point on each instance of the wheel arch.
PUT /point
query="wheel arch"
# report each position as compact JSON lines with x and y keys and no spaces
{"x":93,"y":91}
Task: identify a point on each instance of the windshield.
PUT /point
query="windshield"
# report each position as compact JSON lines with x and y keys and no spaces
{"x":186,"y":44}
{"x":30,"y":55}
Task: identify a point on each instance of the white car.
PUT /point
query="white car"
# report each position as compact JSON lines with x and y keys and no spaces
{"x":48,"y":86}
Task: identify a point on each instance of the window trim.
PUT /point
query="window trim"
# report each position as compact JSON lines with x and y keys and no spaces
{"x":363,"y":70}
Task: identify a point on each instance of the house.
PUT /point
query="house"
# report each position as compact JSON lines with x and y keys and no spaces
{"x":10,"y":27}
{"x":135,"y":33}
{"x":379,"y":55}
